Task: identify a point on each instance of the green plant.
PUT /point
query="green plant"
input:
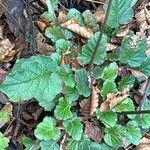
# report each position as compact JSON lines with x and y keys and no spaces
{"x":59,"y":88}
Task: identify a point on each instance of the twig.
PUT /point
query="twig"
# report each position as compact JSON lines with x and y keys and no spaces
{"x":138,"y":112}
{"x":142,"y":102}
{"x":92,"y":1}
{"x":100,"y":36}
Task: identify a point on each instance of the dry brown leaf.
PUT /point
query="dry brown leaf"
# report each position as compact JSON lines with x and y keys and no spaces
{"x":137,"y":74}
{"x":111,"y":47}
{"x":42,"y":25}
{"x":94,"y":99}
{"x":144,"y":144}
{"x":93,"y":132}
{"x":113,"y":99}
{"x":85,"y":106}
{"x":63,"y":143}
{"x":3,"y":74}
{"x":73,"y":26}
{"x":142,"y":87}
{"x":2,"y":31}
{"x":62,"y":17}
{"x":124,"y":31}
{"x":7,"y":109}
{"x":69,"y":22}
{"x":100,"y":15}
{"x":42,"y":46}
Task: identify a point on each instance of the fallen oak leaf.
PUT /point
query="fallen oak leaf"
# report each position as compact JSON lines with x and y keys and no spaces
{"x":113,"y":99}
{"x":94,"y":99}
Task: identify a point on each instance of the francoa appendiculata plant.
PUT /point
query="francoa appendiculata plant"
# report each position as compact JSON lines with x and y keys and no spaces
{"x":41,"y":77}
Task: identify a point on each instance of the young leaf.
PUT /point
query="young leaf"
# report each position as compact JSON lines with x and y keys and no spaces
{"x":133,"y":133}
{"x":56,"y":33}
{"x":66,"y":74}
{"x":113,"y":137}
{"x":121,"y":12}
{"x":33,"y":78}
{"x":62,"y":110}
{"x":83,"y":144}
{"x":74,"y":128}
{"x":3,"y":142}
{"x":126,"y":82}
{"x":81,"y":78}
{"x":108,"y":87}
{"x":108,"y":118}
{"x":47,"y":130}
{"x":71,"y":93}
{"x":109,"y":72}
{"x":74,"y":13}
{"x":90,"y":20}
{"x":62,"y":46}
{"x":49,"y":145}
{"x":145,"y":67}
{"x":133,"y":56}
{"x":88,"y":49}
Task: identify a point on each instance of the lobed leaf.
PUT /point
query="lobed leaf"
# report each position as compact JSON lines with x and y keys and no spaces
{"x":74,"y":128}
{"x":62,"y":110}
{"x":33,"y":78}
{"x":47,"y":130}
{"x":49,"y":145}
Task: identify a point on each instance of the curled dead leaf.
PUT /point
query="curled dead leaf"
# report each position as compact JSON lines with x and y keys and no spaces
{"x":94,"y":99}
{"x":124,"y":31}
{"x":93,"y":132}
{"x":100,"y":15}
{"x":144,"y":144}
{"x":73,"y":26}
{"x":113,"y":99}
{"x":111,"y":47}
{"x":137,"y":74}
{"x":62,"y":17}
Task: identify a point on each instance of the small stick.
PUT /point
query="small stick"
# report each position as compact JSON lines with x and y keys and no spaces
{"x":138,"y":112}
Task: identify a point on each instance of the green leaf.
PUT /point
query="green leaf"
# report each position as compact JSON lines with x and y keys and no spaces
{"x":33,"y":78}
{"x":83,"y":144}
{"x":56,"y":58}
{"x":145,"y":67}
{"x":90,"y":20}
{"x":56,"y":33}
{"x":62,"y":110}
{"x":74,"y":128}
{"x":109,"y":72}
{"x":134,"y":57}
{"x":108,"y":118}
{"x":47,"y":16}
{"x":88,"y":49}
{"x":47,"y":130}
{"x":4,"y":117}
{"x":67,"y":75}
{"x":49,"y":145}
{"x":62,"y":46}
{"x":102,"y":146}
{"x":71,"y":93}
{"x":74,"y":13}
{"x":3,"y":142}
{"x":81,"y":78}
{"x":113,"y":137}
{"x":133,"y":133}
{"x":125,"y":105}
{"x":27,"y":142}
{"x":126,"y":82}
{"x":108,"y":87}
{"x":121,"y":12}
